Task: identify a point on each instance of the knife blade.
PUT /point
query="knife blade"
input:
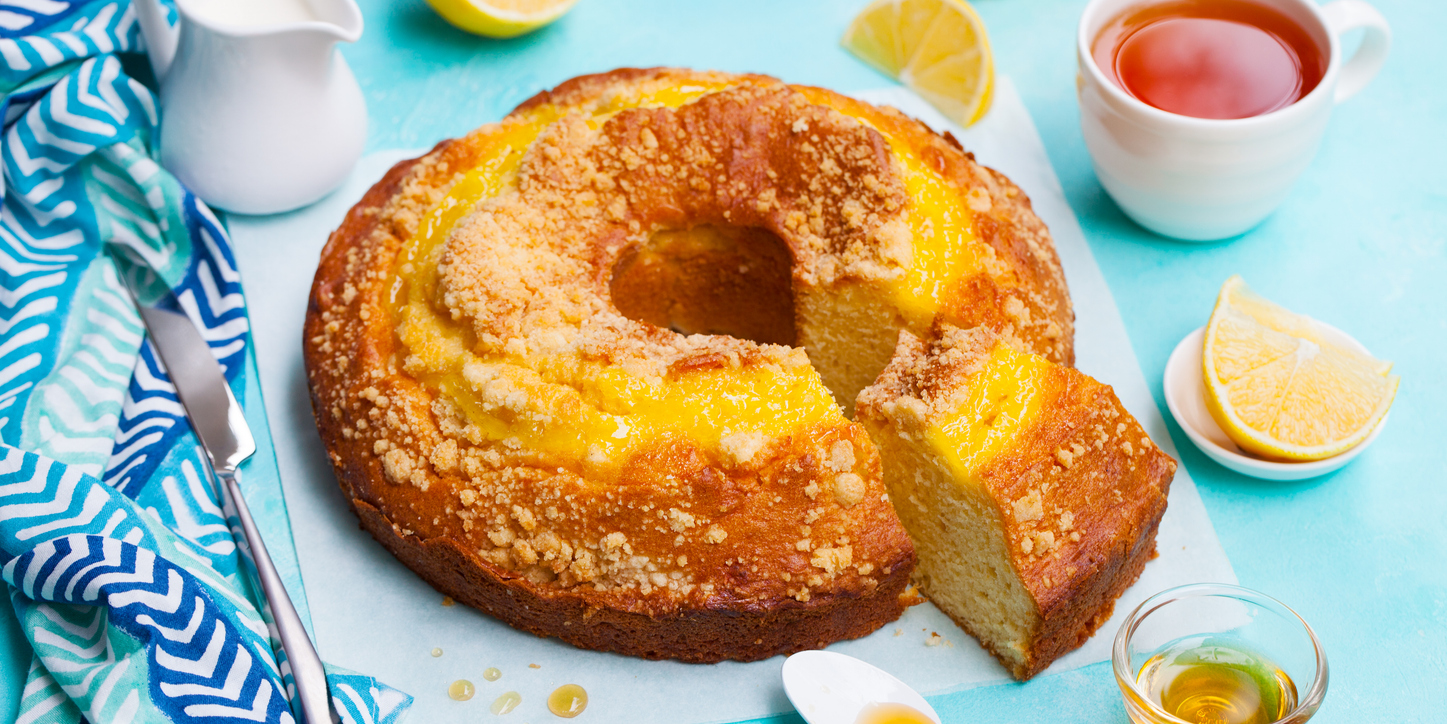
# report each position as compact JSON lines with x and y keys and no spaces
{"x":220,"y":426}
{"x":214,"y":413}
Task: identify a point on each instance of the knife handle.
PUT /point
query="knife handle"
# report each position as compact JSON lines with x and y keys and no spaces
{"x":306,"y":665}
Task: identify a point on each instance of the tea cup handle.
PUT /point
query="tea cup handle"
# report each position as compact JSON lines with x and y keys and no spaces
{"x":1343,"y":16}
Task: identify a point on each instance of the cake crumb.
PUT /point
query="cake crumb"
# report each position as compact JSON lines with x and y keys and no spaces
{"x":832,"y":558}
{"x":1029,"y":507}
{"x":447,"y":601}
{"x":911,"y":596}
{"x":841,"y":456}
{"x":1064,"y":457}
{"x":534,"y":666}
{"x":849,"y":489}
{"x":742,"y":446}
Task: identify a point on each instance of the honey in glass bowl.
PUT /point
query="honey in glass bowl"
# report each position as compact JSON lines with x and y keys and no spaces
{"x":1216,"y":680}
{"x":1220,"y":59}
{"x":1215,"y":653}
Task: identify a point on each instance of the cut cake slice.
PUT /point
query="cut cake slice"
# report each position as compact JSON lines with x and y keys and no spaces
{"x":1031,"y":495}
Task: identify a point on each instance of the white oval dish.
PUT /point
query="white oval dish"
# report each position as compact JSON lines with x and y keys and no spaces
{"x":830,"y":688}
{"x":1186,"y":397}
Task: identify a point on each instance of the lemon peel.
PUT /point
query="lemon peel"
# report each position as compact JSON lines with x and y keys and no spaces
{"x":501,"y":18}
{"x":937,"y":48}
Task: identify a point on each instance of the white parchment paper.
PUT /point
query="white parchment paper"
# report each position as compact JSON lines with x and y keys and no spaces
{"x":373,"y":615}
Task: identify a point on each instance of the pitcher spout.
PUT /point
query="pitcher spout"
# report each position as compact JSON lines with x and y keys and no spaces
{"x":161,"y":37}
{"x":344,"y":17}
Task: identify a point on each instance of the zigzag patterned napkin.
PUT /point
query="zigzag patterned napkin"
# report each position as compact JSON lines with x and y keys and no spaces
{"x":117,"y":556}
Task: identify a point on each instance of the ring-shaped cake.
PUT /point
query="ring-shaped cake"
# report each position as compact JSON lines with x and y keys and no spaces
{"x":584,"y":368}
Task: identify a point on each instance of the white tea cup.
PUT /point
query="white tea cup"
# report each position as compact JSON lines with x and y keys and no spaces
{"x":1201,"y":179}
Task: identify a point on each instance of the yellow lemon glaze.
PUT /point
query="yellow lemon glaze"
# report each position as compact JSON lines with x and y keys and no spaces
{"x":609,"y":412}
{"x":942,"y":227}
{"x":1004,"y":395}
{"x":943,"y":231}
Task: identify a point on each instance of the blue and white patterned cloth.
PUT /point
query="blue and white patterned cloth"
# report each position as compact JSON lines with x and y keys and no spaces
{"x":117,"y":555}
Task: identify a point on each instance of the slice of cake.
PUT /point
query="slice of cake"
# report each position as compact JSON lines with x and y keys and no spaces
{"x":1031,"y":495}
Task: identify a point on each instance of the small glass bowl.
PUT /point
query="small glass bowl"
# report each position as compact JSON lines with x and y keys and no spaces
{"x":1254,"y":620}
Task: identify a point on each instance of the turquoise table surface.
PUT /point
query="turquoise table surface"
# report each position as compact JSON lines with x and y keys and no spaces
{"x":1361,"y":243}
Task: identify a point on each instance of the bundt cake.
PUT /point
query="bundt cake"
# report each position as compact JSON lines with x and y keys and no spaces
{"x":585,"y":368}
{"x":1031,"y":495}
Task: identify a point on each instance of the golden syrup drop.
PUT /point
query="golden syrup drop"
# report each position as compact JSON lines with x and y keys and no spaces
{"x":492,"y":673}
{"x":436,"y":653}
{"x":461,"y":690}
{"x":1218,"y":682}
{"x":506,"y":703}
{"x":891,"y":713}
{"x":568,"y":701}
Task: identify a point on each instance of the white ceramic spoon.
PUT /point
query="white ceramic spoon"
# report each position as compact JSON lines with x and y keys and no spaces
{"x":830,"y":688}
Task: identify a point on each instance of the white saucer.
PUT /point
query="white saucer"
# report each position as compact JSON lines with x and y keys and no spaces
{"x":1186,"y":397}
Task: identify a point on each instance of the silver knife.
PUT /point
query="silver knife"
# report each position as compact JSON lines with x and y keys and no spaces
{"x":220,"y":425}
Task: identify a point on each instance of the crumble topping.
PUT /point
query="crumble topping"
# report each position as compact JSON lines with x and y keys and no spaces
{"x":525,"y":274}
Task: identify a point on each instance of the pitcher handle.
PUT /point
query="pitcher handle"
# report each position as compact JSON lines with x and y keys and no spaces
{"x":1343,"y":16}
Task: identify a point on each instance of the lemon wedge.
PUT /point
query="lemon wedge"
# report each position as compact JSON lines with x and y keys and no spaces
{"x":937,"y":48}
{"x":500,"y":18}
{"x":1280,"y":387}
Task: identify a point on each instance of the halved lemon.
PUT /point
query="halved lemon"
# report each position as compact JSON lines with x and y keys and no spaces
{"x":937,"y":48}
{"x":500,"y":18}
{"x":1280,"y":387}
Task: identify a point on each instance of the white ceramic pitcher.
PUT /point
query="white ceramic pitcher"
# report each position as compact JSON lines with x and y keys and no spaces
{"x":259,"y":112}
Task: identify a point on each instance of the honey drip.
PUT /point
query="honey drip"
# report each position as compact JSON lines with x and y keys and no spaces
{"x":506,"y":703}
{"x":461,"y":690}
{"x":568,"y":701}
{"x":1214,"y":681}
{"x":492,"y":673}
{"x":891,"y":713}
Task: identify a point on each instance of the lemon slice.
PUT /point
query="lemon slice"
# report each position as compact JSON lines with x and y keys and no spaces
{"x":500,"y":18}
{"x":1279,"y":386}
{"x":937,"y":48}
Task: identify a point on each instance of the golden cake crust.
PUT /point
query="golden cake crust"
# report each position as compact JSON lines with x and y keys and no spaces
{"x":775,"y":546}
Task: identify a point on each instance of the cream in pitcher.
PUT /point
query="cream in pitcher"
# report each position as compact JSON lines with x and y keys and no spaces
{"x":254,"y":13}
{"x":259,"y":112}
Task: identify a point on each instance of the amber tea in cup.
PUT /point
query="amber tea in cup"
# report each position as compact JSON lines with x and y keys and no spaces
{"x":1199,"y":116}
{"x":1218,"y":59}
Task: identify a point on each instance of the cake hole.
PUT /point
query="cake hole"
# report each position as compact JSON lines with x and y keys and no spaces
{"x":710,"y":279}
